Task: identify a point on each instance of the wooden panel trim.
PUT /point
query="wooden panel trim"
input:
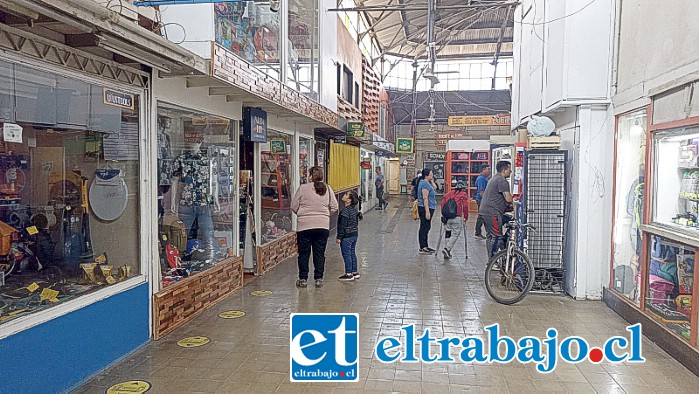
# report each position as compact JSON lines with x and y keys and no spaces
{"x":181,"y":302}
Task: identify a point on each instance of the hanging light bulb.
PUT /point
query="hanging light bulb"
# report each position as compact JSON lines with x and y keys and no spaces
{"x":637,"y":129}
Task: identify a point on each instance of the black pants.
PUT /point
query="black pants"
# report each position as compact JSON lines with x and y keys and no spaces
{"x":425,"y":226}
{"x":379,"y":195}
{"x":479,"y":221}
{"x":495,"y":239}
{"x":315,"y":240}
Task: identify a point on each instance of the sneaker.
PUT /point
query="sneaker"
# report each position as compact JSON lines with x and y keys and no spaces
{"x":378,"y":209}
{"x":425,"y":251}
{"x":447,"y":254}
{"x":356,"y":275}
{"x":344,"y":278}
{"x":302,"y":283}
{"x":430,"y":249}
{"x":319,"y":282}
{"x":481,"y":236}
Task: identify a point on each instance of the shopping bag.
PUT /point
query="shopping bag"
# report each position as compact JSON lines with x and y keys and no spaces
{"x":416,"y":215}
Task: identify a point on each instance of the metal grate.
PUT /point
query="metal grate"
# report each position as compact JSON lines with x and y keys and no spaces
{"x":545,"y":207}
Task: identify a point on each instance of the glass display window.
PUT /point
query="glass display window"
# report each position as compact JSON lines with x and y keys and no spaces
{"x":197,"y":167}
{"x":303,"y":53}
{"x":69,"y":188}
{"x":670,"y":284}
{"x":676,"y":180}
{"x":251,"y":31}
{"x":305,"y":149}
{"x":628,"y":205}
{"x":276,"y":186}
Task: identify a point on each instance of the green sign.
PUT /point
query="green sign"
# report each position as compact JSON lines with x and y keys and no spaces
{"x":277,"y":147}
{"x":404,"y":146}
{"x":356,"y":129}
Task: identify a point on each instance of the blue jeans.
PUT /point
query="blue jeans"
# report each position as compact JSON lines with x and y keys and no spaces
{"x":205,"y":225}
{"x":348,"y":247}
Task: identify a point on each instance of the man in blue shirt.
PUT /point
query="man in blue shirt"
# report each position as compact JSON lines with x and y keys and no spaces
{"x":481,"y":184}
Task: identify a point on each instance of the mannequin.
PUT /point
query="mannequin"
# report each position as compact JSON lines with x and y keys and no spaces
{"x":194,"y":194}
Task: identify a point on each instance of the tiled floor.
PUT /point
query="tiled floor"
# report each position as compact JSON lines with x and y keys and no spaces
{"x":251,"y":354}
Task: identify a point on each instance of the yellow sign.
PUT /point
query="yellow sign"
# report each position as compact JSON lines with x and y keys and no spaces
{"x":193,"y":342}
{"x":130,"y":387}
{"x":33,"y":287}
{"x":231,"y":314}
{"x":48,"y":294}
{"x":489,"y":120}
{"x":32,"y":230}
{"x":261,"y":293}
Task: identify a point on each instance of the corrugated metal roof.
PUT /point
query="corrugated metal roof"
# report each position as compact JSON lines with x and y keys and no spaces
{"x":459,"y":32}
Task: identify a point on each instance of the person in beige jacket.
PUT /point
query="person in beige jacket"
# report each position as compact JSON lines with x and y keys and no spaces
{"x":313,"y":203}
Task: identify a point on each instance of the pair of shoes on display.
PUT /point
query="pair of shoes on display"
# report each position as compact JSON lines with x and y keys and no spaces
{"x":447,"y":254}
{"x":346,"y":278}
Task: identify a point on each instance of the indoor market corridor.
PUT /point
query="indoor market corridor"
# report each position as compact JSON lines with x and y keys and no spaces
{"x":250,"y":354}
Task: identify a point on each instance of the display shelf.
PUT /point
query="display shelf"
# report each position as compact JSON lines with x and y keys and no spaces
{"x":468,"y":166}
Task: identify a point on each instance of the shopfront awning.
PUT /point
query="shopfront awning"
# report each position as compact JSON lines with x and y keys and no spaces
{"x":91,"y":27}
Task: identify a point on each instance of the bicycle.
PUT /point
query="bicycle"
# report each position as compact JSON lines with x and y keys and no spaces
{"x":510,"y":270}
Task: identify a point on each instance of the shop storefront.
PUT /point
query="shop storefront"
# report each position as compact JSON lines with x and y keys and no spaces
{"x":74,"y":221}
{"x":436,"y":161}
{"x":655,"y":230}
{"x":368,"y":177}
{"x":198,"y":237}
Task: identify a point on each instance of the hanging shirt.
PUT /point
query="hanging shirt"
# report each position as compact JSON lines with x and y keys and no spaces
{"x":195,"y":176}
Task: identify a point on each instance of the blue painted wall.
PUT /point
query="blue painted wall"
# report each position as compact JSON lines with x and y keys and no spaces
{"x":60,"y":353}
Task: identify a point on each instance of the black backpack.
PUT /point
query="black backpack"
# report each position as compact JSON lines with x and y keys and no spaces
{"x":416,"y":187}
{"x":450,"y":209}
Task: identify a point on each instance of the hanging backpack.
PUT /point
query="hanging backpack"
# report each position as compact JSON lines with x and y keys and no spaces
{"x":450,"y":210}
{"x":176,"y":232}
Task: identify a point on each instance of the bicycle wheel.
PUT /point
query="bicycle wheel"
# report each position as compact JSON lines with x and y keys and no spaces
{"x":509,"y":287}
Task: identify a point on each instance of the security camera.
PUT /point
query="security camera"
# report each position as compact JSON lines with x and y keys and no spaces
{"x":274,"y":5}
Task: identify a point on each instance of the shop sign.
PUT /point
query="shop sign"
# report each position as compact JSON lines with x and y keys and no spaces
{"x":380,"y":153}
{"x":340,"y":139}
{"x":130,"y":387}
{"x":12,"y":132}
{"x":366,"y":165}
{"x":356,"y":129}
{"x":210,"y":121}
{"x":118,"y":99}
{"x":405,"y":146}
{"x":449,"y":135}
{"x":193,"y":136}
{"x":435,"y":156}
{"x":277,"y":147}
{"x":193,"y":342}
{"x":490,"y":120}
{"x":255,"y":125}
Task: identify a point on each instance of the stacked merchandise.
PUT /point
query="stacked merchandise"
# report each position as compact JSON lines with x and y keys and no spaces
{"x":671,"y":275}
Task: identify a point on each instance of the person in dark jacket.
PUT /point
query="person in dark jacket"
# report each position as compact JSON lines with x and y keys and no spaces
{"x":347,"y":234}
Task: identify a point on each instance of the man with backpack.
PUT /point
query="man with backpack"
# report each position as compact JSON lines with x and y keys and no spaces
{"x":454,"y":216}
